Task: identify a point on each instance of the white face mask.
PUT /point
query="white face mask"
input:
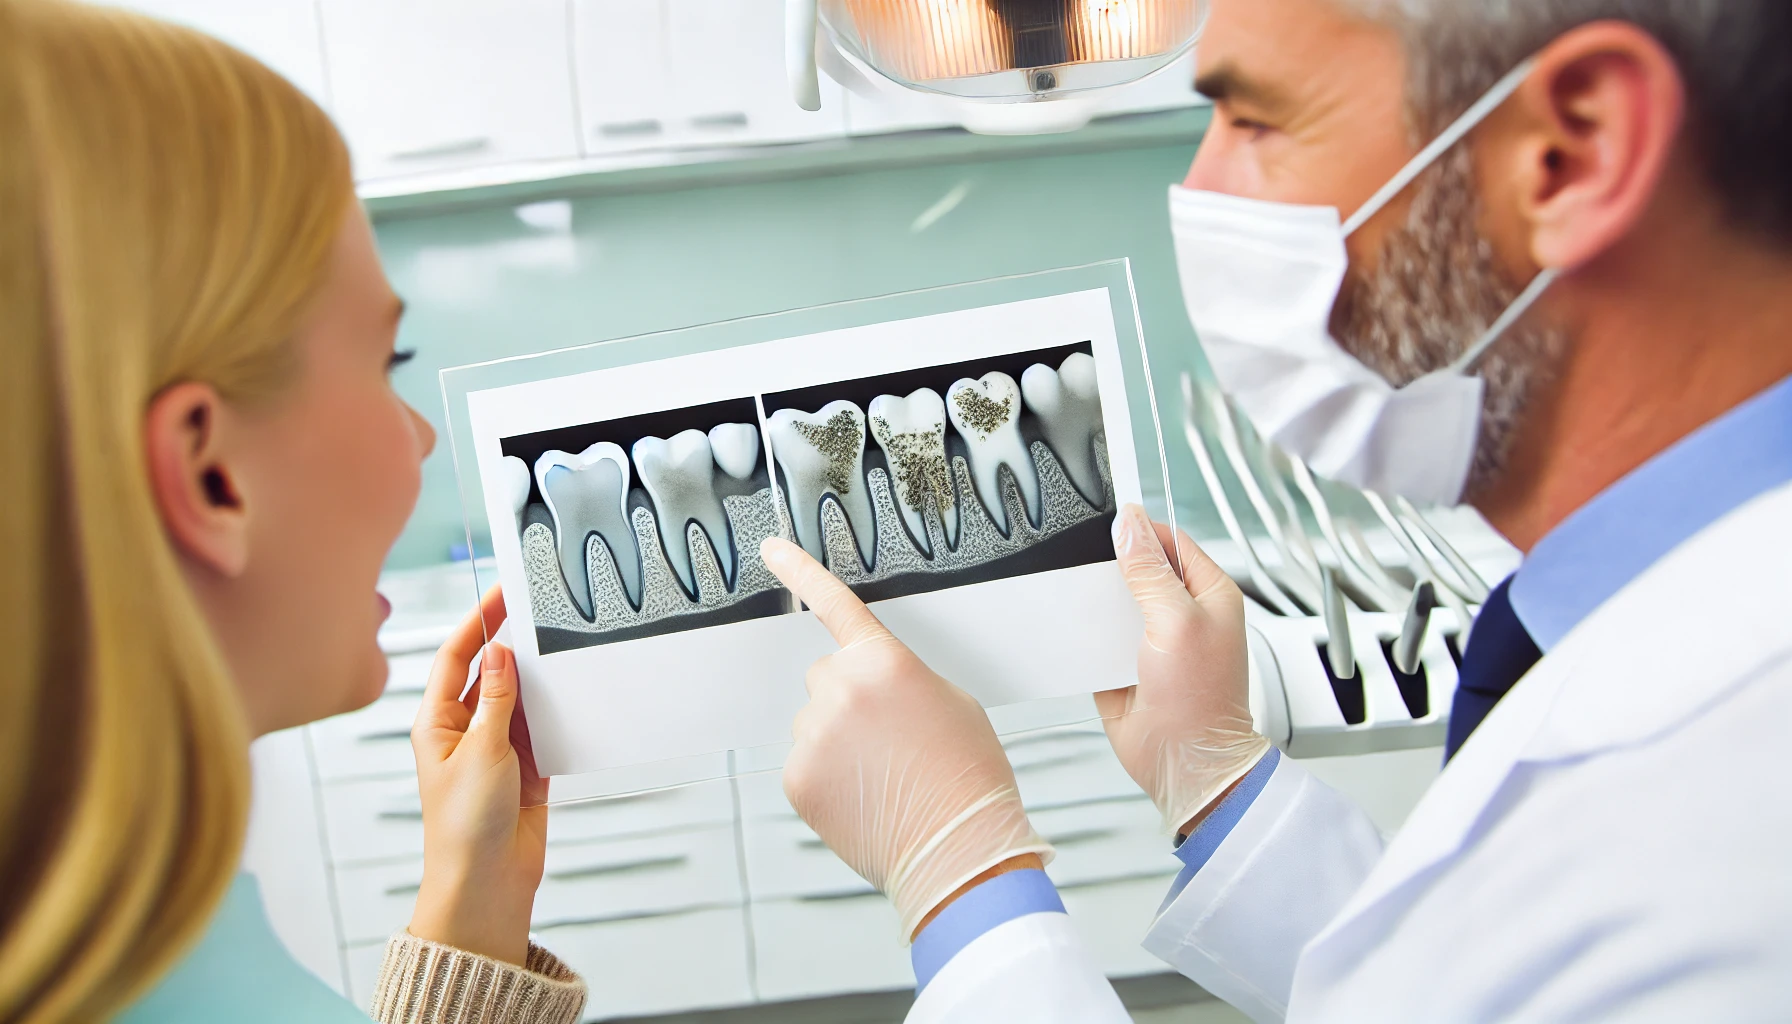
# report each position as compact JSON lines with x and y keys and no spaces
{"x":1259,"y":280}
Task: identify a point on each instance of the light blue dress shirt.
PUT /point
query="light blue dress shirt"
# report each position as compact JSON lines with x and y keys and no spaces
{"x":1587,"y":558}
{"x":240,"y":972}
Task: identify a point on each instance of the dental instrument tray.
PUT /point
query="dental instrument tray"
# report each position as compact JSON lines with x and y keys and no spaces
{"x":956,"y":455}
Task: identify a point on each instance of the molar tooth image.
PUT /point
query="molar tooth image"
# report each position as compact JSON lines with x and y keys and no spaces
{"x":912,"y":433}
{"x":823,"y":453}
{"x":986,"y":413}
{"x":514,"y":478}
{"x":736,"y":448}
{"x":1068,"y":405}
{"x":680,"y":476}
{"x":588,"y":493}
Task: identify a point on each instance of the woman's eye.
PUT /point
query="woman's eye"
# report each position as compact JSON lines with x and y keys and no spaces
{"x":399,"y":358}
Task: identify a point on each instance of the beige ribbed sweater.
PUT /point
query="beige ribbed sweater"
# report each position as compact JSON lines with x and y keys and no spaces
{"x":424,"y":982}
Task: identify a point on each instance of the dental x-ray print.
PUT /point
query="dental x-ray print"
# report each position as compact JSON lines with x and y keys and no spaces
{"x":942,"y":476}
{"x":959,"y":469}
{"x":644,"y":525}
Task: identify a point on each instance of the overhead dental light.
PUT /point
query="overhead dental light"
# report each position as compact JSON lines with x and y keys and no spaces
{"x":1003,"y":67}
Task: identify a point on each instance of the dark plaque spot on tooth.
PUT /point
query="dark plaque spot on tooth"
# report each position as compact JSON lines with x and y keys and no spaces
{"x":842,"y":440}
{"x":980,"y":412}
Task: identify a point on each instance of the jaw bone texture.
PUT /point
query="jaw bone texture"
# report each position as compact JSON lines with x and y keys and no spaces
{"x":1068,"y":405}
{"x":823,"y":453}
{"x":912,"y":433}
{"x":513,"y":477}
{"x":986,"y":413}
{"x":588,"y":493}
{"x":680,"y":476}
{"x":736,"y":448}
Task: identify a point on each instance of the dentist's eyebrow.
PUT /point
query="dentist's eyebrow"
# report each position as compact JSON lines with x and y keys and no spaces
{"x":1226,"y":83}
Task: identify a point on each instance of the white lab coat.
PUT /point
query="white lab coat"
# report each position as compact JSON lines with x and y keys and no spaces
{"x":1614,"y":842}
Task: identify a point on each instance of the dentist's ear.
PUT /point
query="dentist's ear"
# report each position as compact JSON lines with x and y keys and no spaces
{"x":198,"y":495}
{"x":1598,"y":121}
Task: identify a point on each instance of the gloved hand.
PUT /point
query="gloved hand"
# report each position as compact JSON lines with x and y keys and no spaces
{"x":1184,"y":731}
{"x":897,"y":770}
{"x":485,"y":815}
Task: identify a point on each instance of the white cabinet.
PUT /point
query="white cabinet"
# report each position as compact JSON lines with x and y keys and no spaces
{"x":446,"y":84}
{"x":283,"y":34}
{"x":654,"y":74}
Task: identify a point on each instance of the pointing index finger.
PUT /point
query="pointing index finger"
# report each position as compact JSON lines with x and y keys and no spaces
{"x":838,"y":608}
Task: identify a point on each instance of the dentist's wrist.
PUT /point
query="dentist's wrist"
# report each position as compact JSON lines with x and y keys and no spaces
{"x":1024,"y":862}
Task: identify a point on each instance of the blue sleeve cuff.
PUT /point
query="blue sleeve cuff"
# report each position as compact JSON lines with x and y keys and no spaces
{"x":1197,"y":849}
{"x":1003,"y":898}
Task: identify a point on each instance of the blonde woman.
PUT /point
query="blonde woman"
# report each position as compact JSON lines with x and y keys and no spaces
{"x":204,"y":465}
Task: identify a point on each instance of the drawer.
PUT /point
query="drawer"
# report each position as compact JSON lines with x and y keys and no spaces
{"x":1112,"y":918}
{"x":1103,"y":841}
{"x":382,"y":819}
{"x":583,"y":882}
{"x":374,"y":741}
{"x":1067,"y":766}
{"x":408,"y":673}
{"x":663,"y":964}
{"x":364,"y":971}
{"x":762,"y":796}
{"x":785,"y":859}
{"x":820,"y":947}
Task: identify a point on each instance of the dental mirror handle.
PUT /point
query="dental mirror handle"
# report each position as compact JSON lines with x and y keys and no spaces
{"x":1412,"y":633}
{"x":1337,"y":627}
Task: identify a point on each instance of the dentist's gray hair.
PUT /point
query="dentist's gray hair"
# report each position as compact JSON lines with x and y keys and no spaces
{"x":1735,"y":57}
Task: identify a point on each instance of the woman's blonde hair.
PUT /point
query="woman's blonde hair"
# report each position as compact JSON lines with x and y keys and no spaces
{"x":167,"y":206}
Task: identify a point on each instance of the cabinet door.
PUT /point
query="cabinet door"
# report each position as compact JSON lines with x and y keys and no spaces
{"x":282,"y":34}
{"x":620,"y":47}
{"x":433,"y":85}
{"x":728,"y":80}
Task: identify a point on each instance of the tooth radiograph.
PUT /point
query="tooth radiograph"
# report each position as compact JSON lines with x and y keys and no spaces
{"x":948,"y":508}
{"x":665,"y":535}
{"x":822,"y":455}
{"x":986,"y":413}
{"x":680,"y":475}
{"x":912,"y":433}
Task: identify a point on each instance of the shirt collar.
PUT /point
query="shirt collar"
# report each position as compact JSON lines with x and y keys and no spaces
{"x":1630,"y":525}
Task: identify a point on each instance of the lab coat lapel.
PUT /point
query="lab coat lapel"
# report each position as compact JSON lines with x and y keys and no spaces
{"x":1675,"y":640}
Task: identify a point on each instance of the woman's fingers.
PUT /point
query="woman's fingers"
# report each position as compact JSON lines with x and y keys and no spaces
{"x":489,"y":731}
{"x":442,"y":708}
{"x":838,"y":608}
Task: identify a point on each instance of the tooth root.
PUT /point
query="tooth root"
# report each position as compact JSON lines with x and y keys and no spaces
{"x":986,"y":413}
{"x":588,"y":493}
{"x":513,"y":474}
{"x":823,"y":453}
{"x":912,"y":433}
{"x":736,"y":448}
{"x":680,"y":477}
{"x":1068,"y":404}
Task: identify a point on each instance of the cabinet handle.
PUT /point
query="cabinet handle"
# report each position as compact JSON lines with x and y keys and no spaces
{"x":624,"y":129}
{"x":623,"y":868}
{"x":385,"y":736}
{"x":713,"y":122}
{"x":452,"y":147}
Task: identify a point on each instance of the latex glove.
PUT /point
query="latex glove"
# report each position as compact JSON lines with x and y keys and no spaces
{"x":485,"y":816}
{"x":897,"y":770}
{"x":1184,"y":732}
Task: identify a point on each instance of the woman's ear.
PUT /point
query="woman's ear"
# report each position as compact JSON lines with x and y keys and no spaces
{"x":198,"y":491}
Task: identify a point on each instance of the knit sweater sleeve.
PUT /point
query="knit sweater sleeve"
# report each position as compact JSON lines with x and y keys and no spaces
{"x":423,"y":982}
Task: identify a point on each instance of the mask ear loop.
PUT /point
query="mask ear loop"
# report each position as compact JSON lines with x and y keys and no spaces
{"x":1519,"y":307}
{"x":1468,"y":122}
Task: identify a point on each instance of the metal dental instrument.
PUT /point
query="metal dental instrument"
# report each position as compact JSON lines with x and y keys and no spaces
{"x":1217,"y":494}
{"x":1368,"y":577}
{"x":1457,"y":562}
{"x":1422,"y":565}
{"x":1293,"y":575}
{"x":1411,"y":641}
{"x":1338,"y":649}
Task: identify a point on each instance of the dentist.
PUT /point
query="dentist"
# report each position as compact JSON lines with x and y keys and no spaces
{"x":1535,"y":256}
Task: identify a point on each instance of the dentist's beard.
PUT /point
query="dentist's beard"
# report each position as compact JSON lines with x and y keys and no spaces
{"x":1433,"y":293}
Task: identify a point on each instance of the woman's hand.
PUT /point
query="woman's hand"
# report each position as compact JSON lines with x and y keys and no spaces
{"x":1184,"y":733}
{"x":485,"y":816}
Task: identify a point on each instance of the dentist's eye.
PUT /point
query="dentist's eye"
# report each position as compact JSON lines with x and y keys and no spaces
{"x":1245,"y":124}
{"x":399,"y":358}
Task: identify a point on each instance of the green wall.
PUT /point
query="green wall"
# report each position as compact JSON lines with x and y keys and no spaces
{"x":841,"y":222}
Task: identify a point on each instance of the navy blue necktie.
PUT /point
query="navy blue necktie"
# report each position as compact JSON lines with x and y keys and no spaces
{"x":1500,"y":651}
